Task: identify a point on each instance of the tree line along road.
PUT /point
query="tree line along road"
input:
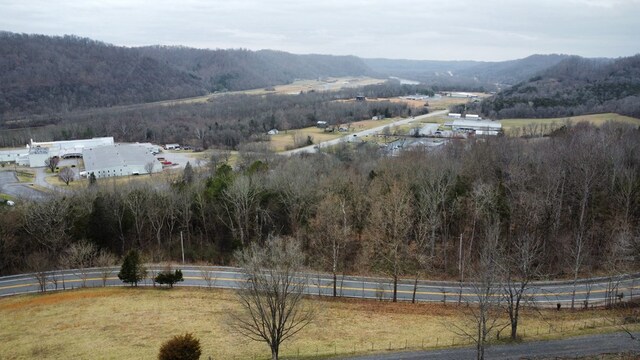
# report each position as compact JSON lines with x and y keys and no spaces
{"x":594,"y":291}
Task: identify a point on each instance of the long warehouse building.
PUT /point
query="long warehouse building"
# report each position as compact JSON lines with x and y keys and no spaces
{"x":120,"y":160}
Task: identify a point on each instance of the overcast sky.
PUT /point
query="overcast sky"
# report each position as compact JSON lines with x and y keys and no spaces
{"x":400,"y":29}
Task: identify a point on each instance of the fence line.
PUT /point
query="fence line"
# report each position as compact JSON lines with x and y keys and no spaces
{"x":362,"y":348}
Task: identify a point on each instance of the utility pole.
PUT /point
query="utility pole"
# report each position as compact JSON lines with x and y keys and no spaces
{"x":461,"y":270}
{"x":182,"y":246}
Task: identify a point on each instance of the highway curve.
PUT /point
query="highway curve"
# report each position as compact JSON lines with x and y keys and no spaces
{"x":541,"y":293}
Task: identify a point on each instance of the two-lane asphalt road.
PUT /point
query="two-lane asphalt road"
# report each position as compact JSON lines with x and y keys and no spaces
{"x":565,"y":348}
{"x":542,"y":293}
{"x":360,"y":134}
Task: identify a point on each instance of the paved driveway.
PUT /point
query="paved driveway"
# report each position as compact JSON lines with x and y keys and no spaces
{"x":10,"y":185}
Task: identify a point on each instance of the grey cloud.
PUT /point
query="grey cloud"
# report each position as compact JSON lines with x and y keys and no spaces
{"x":462,"y":29}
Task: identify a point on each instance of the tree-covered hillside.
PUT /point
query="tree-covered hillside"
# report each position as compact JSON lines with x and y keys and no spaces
{"x":48,"y":75}
{"x":575,"y":86}
{"x":41,"y":74}
{"x":466,"y":75}
{"x":221,"y":70}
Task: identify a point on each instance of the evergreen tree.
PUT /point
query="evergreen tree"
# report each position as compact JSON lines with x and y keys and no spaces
{"x":169,"y":278}
{"x":187,"y":174}
{"x":92,"y":179}
{"x":132,"y":270}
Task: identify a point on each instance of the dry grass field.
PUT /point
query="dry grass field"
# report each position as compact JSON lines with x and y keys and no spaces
{"x":129,"y":323}
{"x":282,"y":140}
{"x":511,"y":126}
{"x":328,"y":84}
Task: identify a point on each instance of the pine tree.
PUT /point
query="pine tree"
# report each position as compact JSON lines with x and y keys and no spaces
{"x":92,"y":179}
{"x":169,"y":278}
{"x":187,"y":174}
{"x":132,"y":270}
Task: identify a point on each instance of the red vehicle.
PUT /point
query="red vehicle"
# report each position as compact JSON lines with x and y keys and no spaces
{"x":166,"y":162}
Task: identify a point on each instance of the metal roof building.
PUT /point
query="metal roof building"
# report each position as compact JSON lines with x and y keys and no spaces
{"x":481,"y":127}
{"x":12,"y":155}
{"x":120,"y":160}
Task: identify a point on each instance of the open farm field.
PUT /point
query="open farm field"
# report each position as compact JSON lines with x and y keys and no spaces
{"x":513,"y":126}
{"x":131,"y":323}
{"x":329,"y":84}
{"x":440,"y":103}
{"x":282,"y":140}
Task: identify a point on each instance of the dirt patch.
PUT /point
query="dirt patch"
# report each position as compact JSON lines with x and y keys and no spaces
{"x":54,"y":298}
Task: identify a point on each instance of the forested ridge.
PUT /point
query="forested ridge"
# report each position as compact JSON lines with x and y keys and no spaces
{"x":574,"y":86}
{"x":221,"y":70}
{"x":49,"y":74}
{"x":42,"y":74}
{"x":467,"y":75}
{"x":574,"y":196}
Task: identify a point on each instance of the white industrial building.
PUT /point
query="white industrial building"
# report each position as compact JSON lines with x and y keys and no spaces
{"x":36,"y":157}
{"x":71,"y":148}
{"x":35,"y":153}
{"x":120,"y":160}
{"x":12,"y":155}
{"x":478,"y":126}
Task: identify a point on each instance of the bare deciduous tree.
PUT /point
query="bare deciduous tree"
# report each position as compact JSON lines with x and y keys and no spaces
{"x":39,"y":263}
{"x":48,"y":223}
{"x":209,"y":277}
{"x":331,"y":235}
{"x":79,"y":257}
{"x":52,"y":163}
{"x":390,"y":227}
{"x":272,"y":308}
{"x":483,"y":305}
{"x":66,"y":175}
{"x":521,"y":267}
{"x":240,"y":201}
{"x":148,"y":167}
{"x":105,"y":261}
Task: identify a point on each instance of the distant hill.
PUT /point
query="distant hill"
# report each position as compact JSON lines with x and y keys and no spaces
{"x":47,"y":75}
{"x":575,"y":86}
{"x":42,"y":74}
{"x":220,"y":70}
{"x":466,"y":75}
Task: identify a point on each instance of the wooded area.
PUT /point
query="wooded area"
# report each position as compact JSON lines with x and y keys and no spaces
{"x":49,"y":75}
{"x":575,"y":86}
{"x":223,"y":122}
{"x":574,"y":196}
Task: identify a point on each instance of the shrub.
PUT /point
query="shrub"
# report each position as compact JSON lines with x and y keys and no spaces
{"x":181,"y":347}
{"x":169,"y":278}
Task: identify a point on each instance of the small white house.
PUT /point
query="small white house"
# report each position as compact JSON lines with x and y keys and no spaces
{"x":272,"y":132}
{"x":322,"y":124}
{"x":172,"y":146}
